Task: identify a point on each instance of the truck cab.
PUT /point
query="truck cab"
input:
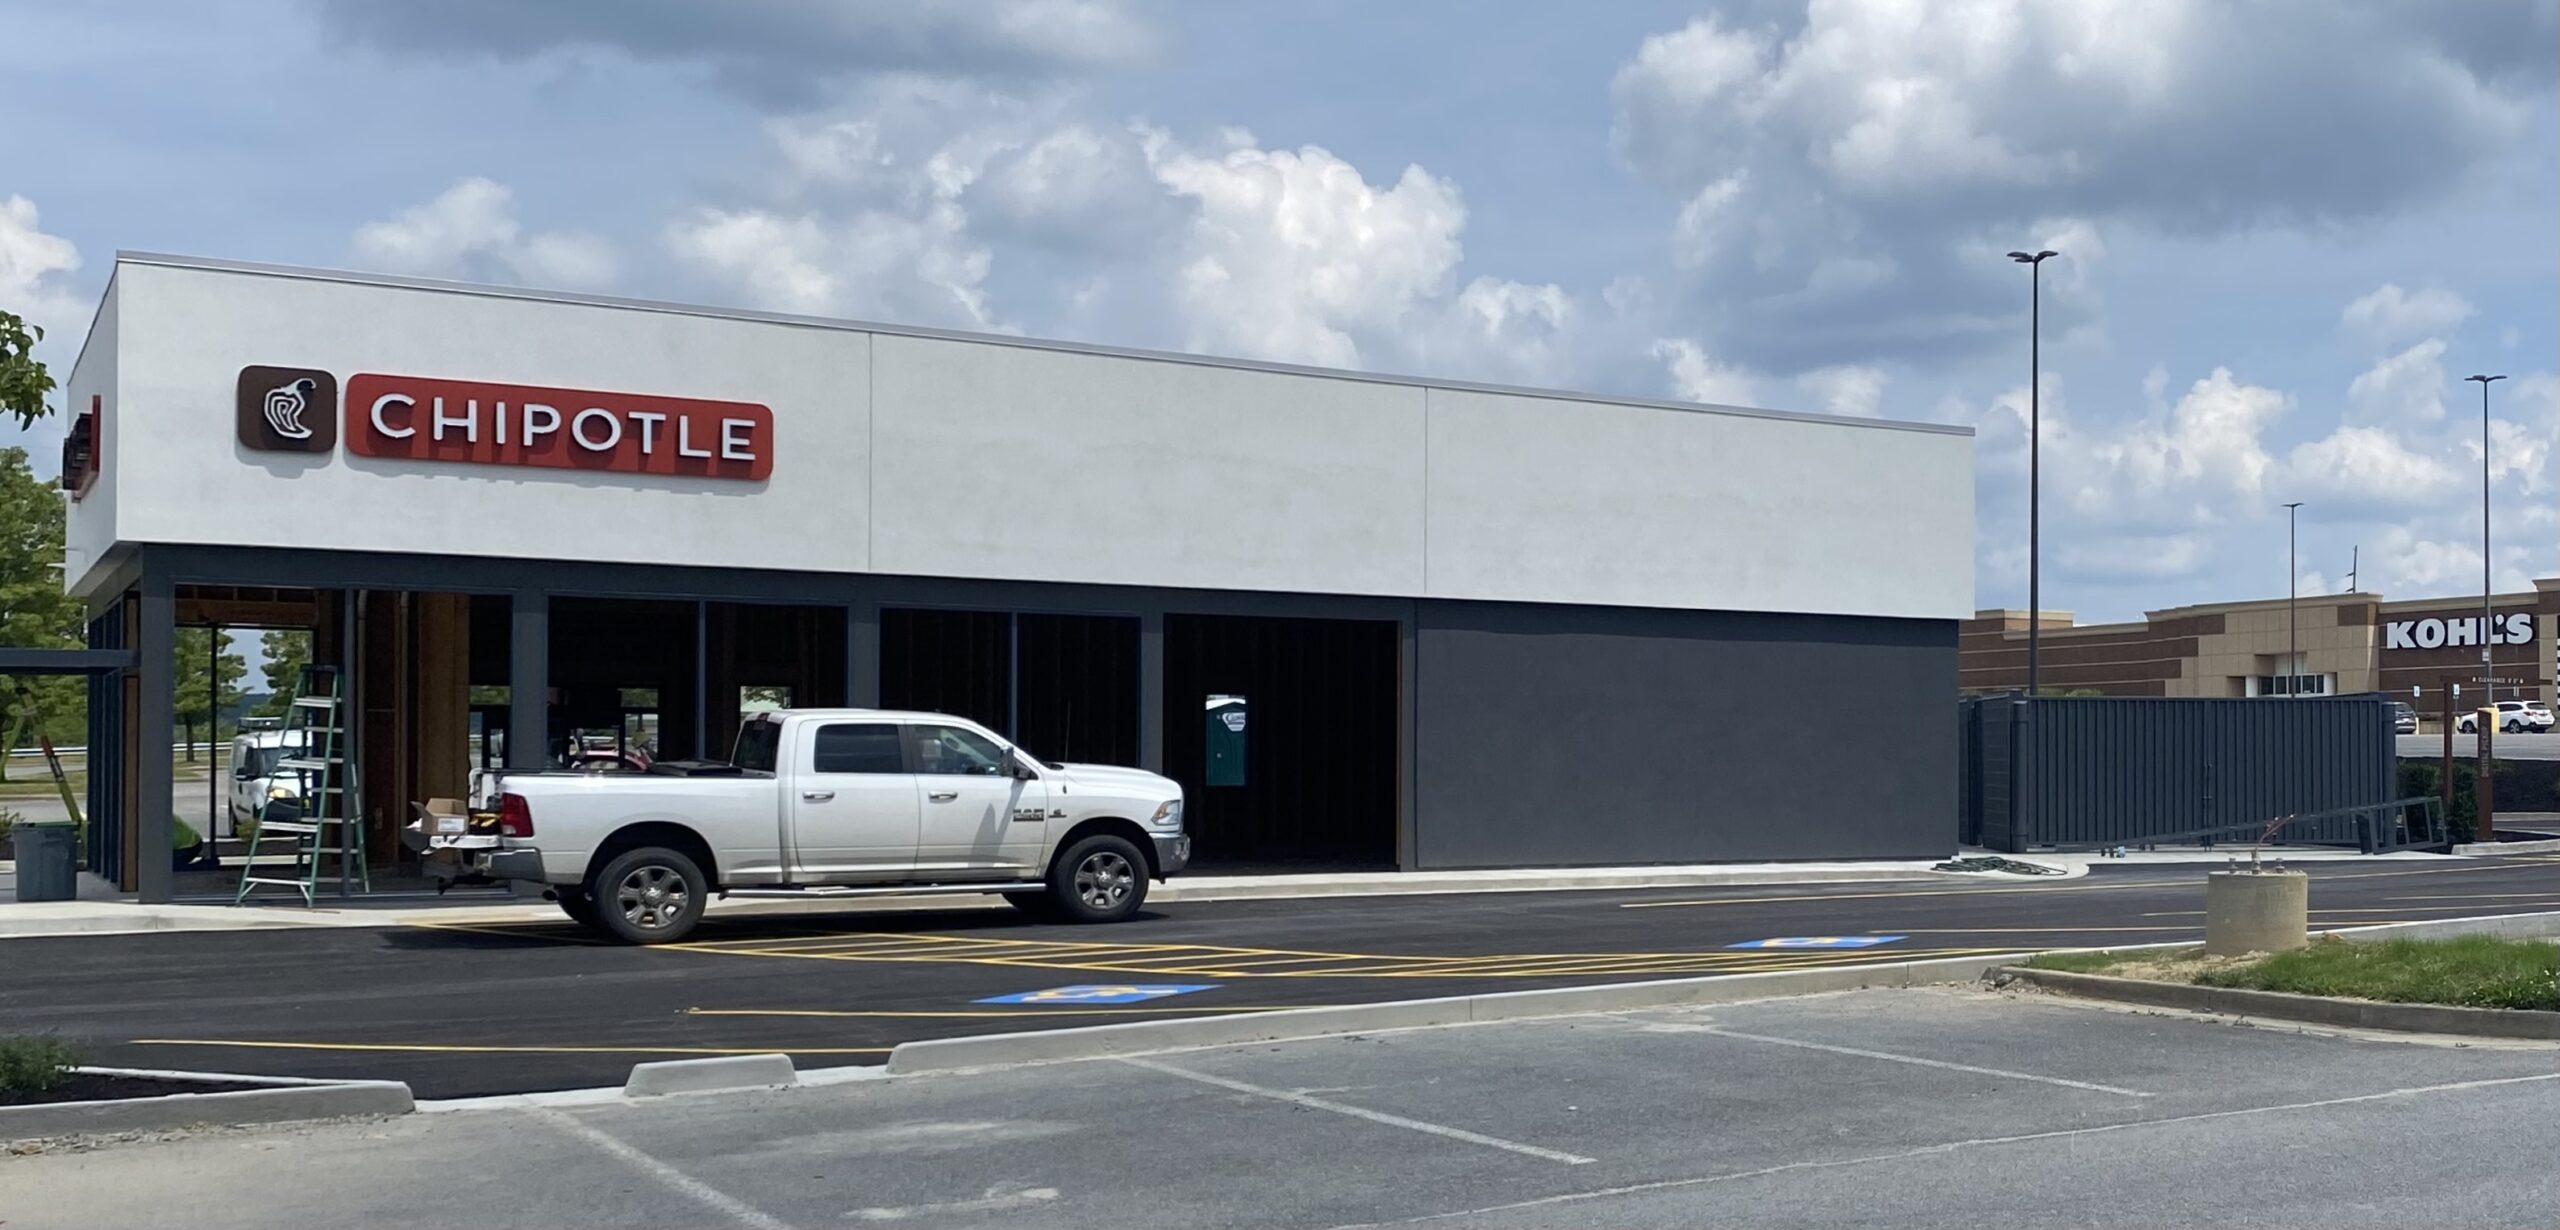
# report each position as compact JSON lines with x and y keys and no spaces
{"x":829,"y":803}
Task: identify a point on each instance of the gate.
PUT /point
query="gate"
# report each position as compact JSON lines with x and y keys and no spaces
{"x":2092,"y":772}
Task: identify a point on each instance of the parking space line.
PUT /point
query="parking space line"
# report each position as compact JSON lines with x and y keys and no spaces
{"x":1918,"y":1061}
{"x":1325,"y":1104}
{"x":698,"y":1191}
{"x":1940,"y":1149}
{"x":443,"y":1049}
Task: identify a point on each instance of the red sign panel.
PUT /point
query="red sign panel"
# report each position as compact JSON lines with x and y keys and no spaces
{"x":412,"y":418}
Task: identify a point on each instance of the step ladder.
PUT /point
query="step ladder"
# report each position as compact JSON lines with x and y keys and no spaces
{"x":322,"y":823}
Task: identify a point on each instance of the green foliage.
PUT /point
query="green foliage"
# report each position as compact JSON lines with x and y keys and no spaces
{"x":182,"y":835}
{"x":2471,"y":971}
{"x":198,"y":653}
{"x":287,"y":650}
{"x":2419,"y":779}
{"x":34,"y":611}
{"x":23,"y":381}
{"x":33,"y":1064}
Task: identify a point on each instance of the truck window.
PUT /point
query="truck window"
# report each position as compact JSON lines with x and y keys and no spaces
{"x":846,"y":747}
{"x":759,"y":744}
{"x":951,"y":751}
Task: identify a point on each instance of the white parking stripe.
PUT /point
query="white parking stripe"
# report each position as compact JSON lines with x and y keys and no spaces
{"x":1951,"y":1146}
{"x":1316,"y":1103}
{"x":702,"y":1193}
{"x":1917,"y":1061}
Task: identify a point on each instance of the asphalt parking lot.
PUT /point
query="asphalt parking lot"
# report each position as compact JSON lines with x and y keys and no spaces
{"x":464,"y":1011}
{"x":1917,"y":1108}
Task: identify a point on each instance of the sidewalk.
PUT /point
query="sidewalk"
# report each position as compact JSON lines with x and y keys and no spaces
{"x":100,"y":914}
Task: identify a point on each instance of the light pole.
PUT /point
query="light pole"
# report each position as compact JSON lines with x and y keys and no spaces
{"x":2488,"y":625}
{"x":2034,"y":261}
{"x":2292,"y":673}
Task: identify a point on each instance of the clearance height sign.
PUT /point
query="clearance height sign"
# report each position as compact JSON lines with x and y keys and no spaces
{"x":415,"y":418}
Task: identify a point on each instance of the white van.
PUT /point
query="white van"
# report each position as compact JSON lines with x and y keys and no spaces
{"x":254,"y":775}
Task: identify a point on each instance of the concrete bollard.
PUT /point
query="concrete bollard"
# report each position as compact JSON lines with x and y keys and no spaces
{"x":2256,"y":911}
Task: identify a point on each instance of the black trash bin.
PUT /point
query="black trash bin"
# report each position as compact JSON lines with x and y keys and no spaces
{"x":48,"y":862}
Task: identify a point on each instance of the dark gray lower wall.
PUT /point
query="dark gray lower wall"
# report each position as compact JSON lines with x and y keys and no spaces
{"x":1574,"y":735}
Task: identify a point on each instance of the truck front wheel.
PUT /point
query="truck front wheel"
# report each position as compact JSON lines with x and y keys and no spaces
{"x":652,"y":895}
{"x":1102,"y":878}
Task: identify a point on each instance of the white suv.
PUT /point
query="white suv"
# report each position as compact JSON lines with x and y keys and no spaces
{"x":2515,"y":717}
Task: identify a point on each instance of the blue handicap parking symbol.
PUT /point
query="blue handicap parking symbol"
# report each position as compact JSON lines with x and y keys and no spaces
{"x":1819,"y":941}
{"x":1100,"y":993}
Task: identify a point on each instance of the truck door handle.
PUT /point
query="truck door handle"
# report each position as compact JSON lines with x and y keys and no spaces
{"x":817,"y":796}
{"x":943,"y":796}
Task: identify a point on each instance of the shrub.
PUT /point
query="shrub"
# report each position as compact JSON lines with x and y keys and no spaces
{"x":2419,"y":778}
{"x":182,"y":835}
{"x":33,"y":1064}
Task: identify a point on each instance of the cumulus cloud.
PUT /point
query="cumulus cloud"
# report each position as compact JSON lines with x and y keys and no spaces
{"x":2362,"y":470}
{"x":2390,"y":316}
{"x":1838,"y":167}
{"x":1695,"y":377}
{"x":775,"y":53}
{"x":33,"y":268}
{"x":470,"y":231}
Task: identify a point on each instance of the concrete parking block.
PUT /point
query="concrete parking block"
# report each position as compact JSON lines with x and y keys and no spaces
{"x":703,"y":1075}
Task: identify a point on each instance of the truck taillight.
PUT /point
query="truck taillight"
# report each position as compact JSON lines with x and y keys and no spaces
{"x":515,"y":816}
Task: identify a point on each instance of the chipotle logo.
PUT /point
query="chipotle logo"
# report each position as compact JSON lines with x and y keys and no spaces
{"x":287,"y":409}
{"x":413,"y":418}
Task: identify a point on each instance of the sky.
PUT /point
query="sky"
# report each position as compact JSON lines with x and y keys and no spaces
{"x":2287,"y":229}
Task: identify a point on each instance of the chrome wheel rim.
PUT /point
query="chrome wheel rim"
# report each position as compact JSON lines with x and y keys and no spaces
{"x":1104,"y":880}
{"x":652,"y":897}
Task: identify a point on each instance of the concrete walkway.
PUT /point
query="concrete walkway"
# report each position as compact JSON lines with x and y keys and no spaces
{"x":106,"y":914}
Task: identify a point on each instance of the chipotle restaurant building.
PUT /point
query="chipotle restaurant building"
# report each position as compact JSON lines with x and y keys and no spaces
{"x":1416,"y":624}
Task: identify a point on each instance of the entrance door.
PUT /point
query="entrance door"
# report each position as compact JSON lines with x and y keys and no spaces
{"x":852,"y":804}
{"x":978,"y":817}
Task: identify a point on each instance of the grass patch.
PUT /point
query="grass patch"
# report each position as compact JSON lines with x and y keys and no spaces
{"x":2472,"y":971}
{"x":34,"y":1064}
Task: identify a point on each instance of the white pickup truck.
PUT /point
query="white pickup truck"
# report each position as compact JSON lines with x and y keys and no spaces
{"x":820,"y":803}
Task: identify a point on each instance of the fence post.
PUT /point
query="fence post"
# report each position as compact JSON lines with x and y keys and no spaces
{"x":2021,"y":774}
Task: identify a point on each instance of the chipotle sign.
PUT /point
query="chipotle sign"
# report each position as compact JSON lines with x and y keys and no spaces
{"x":413,"y":418}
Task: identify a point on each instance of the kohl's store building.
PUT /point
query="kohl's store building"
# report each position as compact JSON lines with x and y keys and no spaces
{"x":1458,"y":625}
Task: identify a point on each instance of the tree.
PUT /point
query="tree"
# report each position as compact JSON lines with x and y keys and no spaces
{"x":196,"y":654}
{"x":34,"y":612}
{"x":23,"y":381}
{"x":287,"y":650}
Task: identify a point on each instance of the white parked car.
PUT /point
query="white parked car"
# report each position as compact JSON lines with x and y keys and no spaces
{"x":825,"y":803}
{"x":2515,"y":717}
{"x":255,"y":774}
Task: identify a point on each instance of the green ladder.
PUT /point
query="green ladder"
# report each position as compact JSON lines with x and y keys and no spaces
{"x":320,"y":761}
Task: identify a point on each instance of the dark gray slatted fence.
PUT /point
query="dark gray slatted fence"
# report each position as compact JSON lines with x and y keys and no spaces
{"x":2108,"y":770}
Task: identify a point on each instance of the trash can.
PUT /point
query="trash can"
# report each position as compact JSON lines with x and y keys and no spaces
{"x":48,"y":862}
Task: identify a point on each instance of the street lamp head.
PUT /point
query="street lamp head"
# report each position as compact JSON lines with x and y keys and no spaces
{"x":2030,"y":258}
{"x":2484,"y":380}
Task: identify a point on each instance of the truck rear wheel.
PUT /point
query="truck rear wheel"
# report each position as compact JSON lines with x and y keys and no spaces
{"x":652,"y":895}
{"x":1102,"y":878}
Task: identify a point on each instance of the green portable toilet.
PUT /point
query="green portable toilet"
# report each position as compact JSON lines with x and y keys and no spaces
{"x":1226,"y":741}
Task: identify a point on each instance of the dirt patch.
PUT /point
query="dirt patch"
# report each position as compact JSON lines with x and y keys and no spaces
{"x":2177,"y":967}
{"x":90,"y":1087}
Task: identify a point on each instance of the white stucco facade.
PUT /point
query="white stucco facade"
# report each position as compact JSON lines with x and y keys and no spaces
{"x":924,"y":454}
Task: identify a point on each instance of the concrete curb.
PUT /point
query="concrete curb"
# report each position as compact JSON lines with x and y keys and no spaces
{"x":1424,"y":883}
{"x":2313,"y":1009}
{"x":2507,"y":847}
{"x":650,"y":1080}
{"x":1099,"y":1041}
{"x":284,"y":1101}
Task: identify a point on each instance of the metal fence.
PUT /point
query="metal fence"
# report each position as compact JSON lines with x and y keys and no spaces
{"x":2097,"y":771}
